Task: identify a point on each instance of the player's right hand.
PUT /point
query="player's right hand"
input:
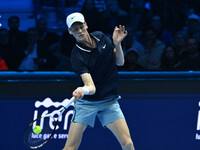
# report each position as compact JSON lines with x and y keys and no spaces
{"x":78,"y":94}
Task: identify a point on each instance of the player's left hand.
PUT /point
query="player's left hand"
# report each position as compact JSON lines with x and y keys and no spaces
{"x":119,"y":34}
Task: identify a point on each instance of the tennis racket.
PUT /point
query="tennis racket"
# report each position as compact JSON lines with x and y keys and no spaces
{"x":36,"y":141}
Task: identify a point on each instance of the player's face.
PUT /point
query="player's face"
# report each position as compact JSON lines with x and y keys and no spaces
{"x":79,"y":31}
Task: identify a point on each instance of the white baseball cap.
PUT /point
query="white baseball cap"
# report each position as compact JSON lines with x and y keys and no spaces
{"x":74,"y":17}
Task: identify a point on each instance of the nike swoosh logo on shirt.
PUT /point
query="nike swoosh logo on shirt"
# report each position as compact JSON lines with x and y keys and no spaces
{"x":104,"y":46}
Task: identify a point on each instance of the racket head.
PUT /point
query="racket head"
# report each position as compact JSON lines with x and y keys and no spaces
{"x":36,"y":141}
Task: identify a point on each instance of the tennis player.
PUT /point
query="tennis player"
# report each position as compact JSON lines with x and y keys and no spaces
{"x":95,"y":59}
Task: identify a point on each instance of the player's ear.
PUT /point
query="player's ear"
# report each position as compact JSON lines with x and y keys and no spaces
{"x":70,"y":32}
{"x":86,"y":25}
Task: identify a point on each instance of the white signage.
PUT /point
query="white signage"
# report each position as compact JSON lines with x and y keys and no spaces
{"x":198,"y":125}
{"x":42,"y":108}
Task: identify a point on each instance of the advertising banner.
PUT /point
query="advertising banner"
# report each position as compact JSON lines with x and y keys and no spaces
{"x":156,"y":122}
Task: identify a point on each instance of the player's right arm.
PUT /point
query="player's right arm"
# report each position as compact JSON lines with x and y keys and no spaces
{"x":88,"y":88}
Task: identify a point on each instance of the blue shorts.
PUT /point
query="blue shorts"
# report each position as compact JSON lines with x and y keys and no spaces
{"x":107,"y":111}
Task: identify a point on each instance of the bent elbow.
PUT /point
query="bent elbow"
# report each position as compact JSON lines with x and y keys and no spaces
{"x":120,"y":63}
{"x":93,"y":91}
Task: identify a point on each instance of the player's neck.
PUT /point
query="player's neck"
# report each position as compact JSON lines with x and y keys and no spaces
{"x":90,"y":42}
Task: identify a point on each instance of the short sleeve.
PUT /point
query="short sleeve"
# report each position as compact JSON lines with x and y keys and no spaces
{"x":78,"y":64}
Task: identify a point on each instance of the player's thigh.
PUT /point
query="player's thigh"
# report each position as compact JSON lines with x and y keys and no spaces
{"x":75,"y":132}
{"x":120,"y":129}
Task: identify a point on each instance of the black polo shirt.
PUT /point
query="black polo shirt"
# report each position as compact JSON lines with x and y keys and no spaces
{"x":100,"y":63}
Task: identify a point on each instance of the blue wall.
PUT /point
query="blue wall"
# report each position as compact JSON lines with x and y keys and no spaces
{"x":157,"y":120}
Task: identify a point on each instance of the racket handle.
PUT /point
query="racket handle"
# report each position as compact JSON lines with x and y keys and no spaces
{"x":70,"y":102}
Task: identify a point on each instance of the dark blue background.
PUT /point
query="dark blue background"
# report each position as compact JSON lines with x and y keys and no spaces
{"x":156,"y":122}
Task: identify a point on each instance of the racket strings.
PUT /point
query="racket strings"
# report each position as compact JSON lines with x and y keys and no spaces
{"x":33,"y":140}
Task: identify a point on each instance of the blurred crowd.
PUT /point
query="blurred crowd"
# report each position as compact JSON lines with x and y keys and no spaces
{"x":162,"y":35}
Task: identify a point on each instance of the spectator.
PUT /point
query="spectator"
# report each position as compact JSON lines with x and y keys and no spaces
{"x":132,"y":43}
{"x":66,"y":43}
{"x":100,"y":5}
{"x":192,"y":61}
{"x":89,"y":11}
{"x":131,"y":58}
{"x":151,"y":57}
{"x":30,"y":54}
{"x":139,"y":15}
{"x":114,"y":16}
{"x":172,"y":13}
{"x":180,"y":45}
{"x":37,"y":57}
{"x":64,"y":63}
{"x":168,"y":59}
{"x":193,"y":27}
{"x":3,"y":65}
{"x":194,"y":5}
{"x":17,"y":42}
{"x":4,"y":47}
{"x":46,"y":38}
{"x":131,"y":40}
{"x":161,"y":34}
{"x":125,"y":5}
{"x":71,"y":3}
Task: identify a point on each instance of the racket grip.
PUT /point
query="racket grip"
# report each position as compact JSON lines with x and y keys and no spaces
{"x":69,"y":103}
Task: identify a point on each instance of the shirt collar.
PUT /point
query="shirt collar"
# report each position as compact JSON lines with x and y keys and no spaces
{"x":85,"y":48}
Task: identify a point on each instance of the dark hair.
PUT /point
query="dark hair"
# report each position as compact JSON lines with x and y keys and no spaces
{"x":41,"y":19}
{"x":32,"y":29}
{"x":3,"y":29}
{"x":13,"y":17}
{"x":163,"y":57}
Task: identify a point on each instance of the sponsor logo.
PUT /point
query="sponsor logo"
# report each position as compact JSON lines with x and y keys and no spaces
{"x":197,"y":137}
{"x":104,"y":46}
{"x":48,"y":106}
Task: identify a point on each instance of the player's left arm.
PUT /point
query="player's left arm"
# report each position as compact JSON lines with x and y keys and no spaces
{"x":118,"y":35}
